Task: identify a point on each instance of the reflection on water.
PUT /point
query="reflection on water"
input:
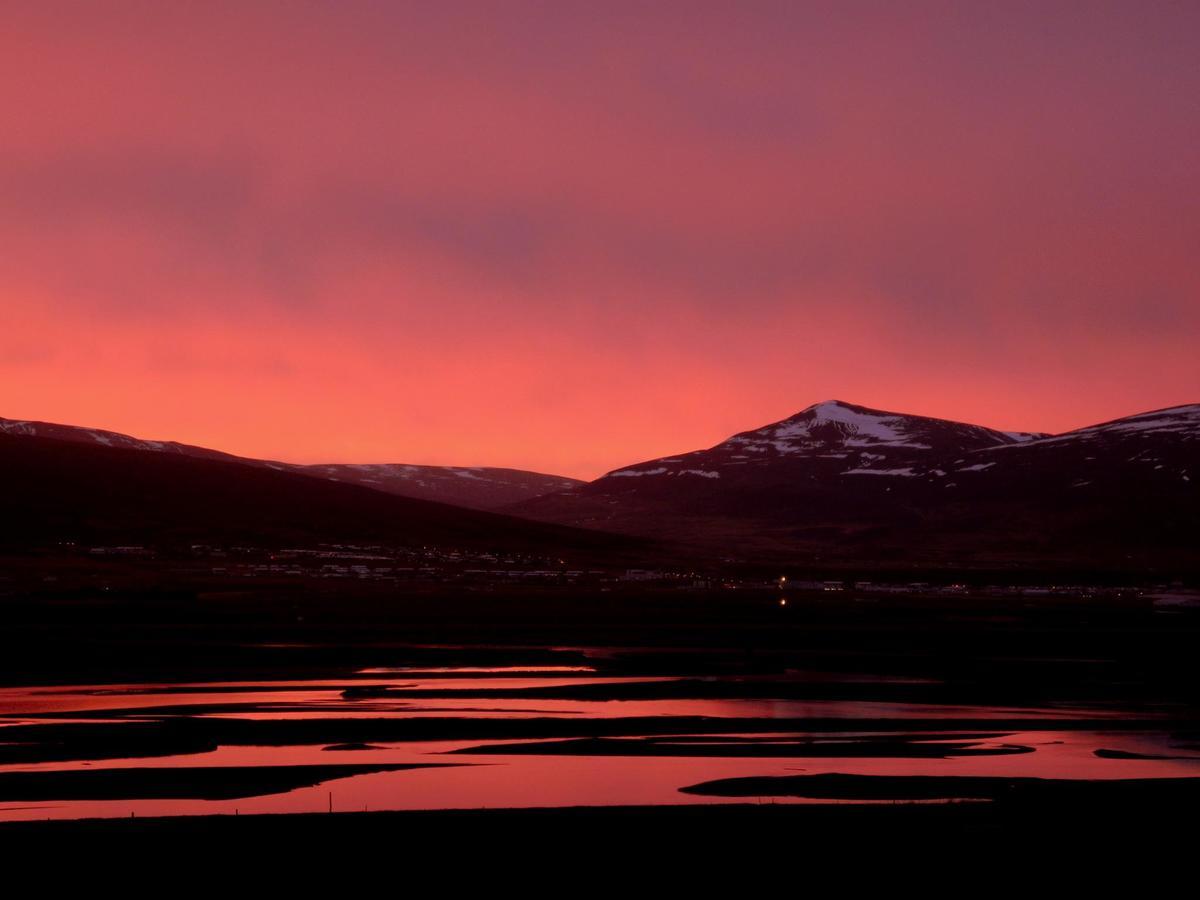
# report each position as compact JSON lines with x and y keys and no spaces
{"x":498,"y":779}
{"x":470,"y":696}
{"x":480,"y":670}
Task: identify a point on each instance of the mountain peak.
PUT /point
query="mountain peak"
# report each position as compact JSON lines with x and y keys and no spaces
{"x":845,"y":437}
{"x":826,"y":403}
{"x":832,"y":409}
{"x":840,"y":422}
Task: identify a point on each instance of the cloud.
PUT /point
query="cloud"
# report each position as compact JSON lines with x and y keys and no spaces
{"x":677,"y":220}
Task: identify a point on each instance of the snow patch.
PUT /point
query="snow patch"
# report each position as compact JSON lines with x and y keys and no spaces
{"x":1181,"y":420}
{"x":979,"y":467}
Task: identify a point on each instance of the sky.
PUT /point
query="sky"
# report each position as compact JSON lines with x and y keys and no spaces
{"x":570,"y":236}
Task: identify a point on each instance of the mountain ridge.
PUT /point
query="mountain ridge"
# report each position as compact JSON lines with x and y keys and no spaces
{"x":64,"y":492}
{"x":836,"y":425}
{"x":836,"y":483}
{"x":838,"y":480}
{"x":473,"y":487}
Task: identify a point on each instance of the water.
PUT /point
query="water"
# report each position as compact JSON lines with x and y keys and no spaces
{"x":464,"y":702}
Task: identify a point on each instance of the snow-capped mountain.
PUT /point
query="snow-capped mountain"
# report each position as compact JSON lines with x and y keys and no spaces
{"x":1152,"y":452}
{"x":841,"y":484}
{"x":838,"y":480}
{"x":477,"y":488}
{"x":1182,"y":422}
{"x":836,"y":436}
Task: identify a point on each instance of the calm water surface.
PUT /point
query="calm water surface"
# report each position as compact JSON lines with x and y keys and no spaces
{"x":531,"y":780}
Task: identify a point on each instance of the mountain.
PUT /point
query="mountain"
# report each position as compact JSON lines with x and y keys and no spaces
{"x":851,"y":440}
{"x":69,"y":490}
{"x":841,"y":483}
{"x":835,"y":486}
{"x":475,"y":487}
{"x":478,"y":487}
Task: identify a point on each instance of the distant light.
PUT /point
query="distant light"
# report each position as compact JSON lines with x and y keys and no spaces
{"x":783,"y":601}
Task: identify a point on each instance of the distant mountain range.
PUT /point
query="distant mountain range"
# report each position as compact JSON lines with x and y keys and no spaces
{"x":841,"y":483}
{"x":472,"y":487}
{"x":59,"y":492}
{"x":835,"y":486}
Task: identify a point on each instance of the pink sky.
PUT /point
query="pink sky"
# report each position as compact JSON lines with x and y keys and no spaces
{"x":569,"y":236}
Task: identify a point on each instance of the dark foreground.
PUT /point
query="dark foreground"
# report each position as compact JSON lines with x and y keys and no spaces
{"x":768,"y":835}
